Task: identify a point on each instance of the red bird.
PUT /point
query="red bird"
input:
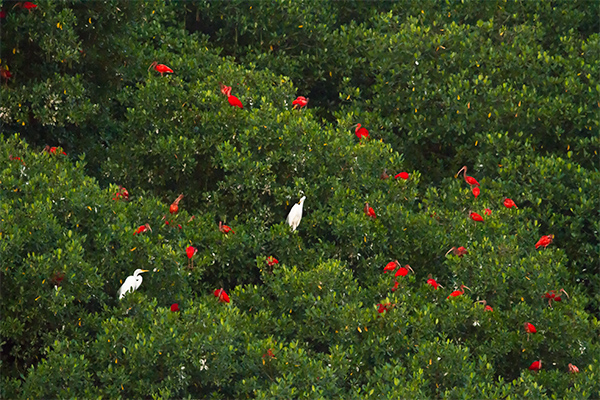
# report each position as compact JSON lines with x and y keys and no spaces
{"x":224,"y":228}
{"x":384,"y":307}
{"x":487,"y":211}
{"x":272,"y":261}
{"x":469,"y":179}
{"x":174,"y":307}
{"x":234,"y":101}
{"x":476,"y":217}
{"x":29,"y":5}
{"x":121,"y":193}
{"x":433,"y":283}
{"x":508,"y":203}
{"x":190,"y":251}
{"x":476,"y":191}
{"x":174,"y":208}
{"x":535,"y":366}
{"x":403,"y":271}
{"x":403,"y":175}
{"x":552,"y":296}
{"x":5,"y":73}
{"x":300,"y":102}
{"x":384,"y":174}
{"x":392,"y":265}
{"x":486,"y":308}
{"x":142,"y":228}
{"x":461,"y":251}
{"x":544,"y":241}
{"x":52,"y":150}
{"x":221,"y":295}
{"x":163,"y":69}
{"x":529,"y":328}
{"x":573,"y":369}
{"x":14,"y":158}
{"x":361,"y":132}
{"x":395,"y":286}
{"x":458,"y":292}
{"x":369,"y":212}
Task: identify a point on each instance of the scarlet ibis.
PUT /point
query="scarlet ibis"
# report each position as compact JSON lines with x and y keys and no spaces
{"x":142,"y":228}
{"x":221,"y":295}
{"x":487,"y":211}
{"x":529,"y":328}
{"x":486,"y":307}
{"x":403,"y":271}
{"x":300,"y":102}
{"x":224,"y":228}
{"x":295,"y":216}
{"x":132,"y":283}
{"x":476,"y":191}
{"x":57,"y":278}
{"x":174,"y":307}
{"x":384,"y":307}
{"x":5,"y":73}
{"x":469,"y":179}
{"x":29,"y":6}
{"x":384,"y":174}
{"x":461,"y":251}
{"x":361,"y":132}
{"x":190,"y":251}
{"x":272,"y":261}
{"x":573,"y":369}
{"x":458,"y":292}
{"x":174,"y":208}
{"x":544,"y":241}
{"x":432,"y":282}
{"x":122,"y":193}
{"x":162,"y":68}
{"x":234,"y":101}
{"x":269,"y":353}
{"x":403,"y":175}
{"x":476,"y":217}
{"x":395,"y":286}
{"x":552,"y":296}
{"x":392,"y":265}
{"x":508,"y":203}
{"x":369,"y":212}
{"x":52,"y":150}
{"x":536,"y":365}
{"x":14,"y":158}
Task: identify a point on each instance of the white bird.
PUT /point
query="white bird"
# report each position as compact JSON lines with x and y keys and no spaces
{"x":295,"y":215}
{"x":131,"y":283}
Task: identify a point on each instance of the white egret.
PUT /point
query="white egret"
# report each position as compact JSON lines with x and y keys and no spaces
{"x":295,"y":215}
{"x":131,"y":283}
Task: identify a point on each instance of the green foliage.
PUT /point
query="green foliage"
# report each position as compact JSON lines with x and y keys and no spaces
{"x":507,"y":88}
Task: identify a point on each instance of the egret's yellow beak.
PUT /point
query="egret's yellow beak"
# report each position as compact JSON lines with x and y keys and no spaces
{"x":144,"y":270}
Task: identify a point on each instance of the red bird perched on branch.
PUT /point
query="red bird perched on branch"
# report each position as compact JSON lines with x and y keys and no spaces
{"x":392,"y":265}
{"x":432,"y":282}
{"x":272,"y":261}
{"x":486,"y":308}
{"x":361,"y":132}
{"x":369,"y":212}
{"x":190,"y":251}
{"x":476,"y":191}
{"x":52,"y":150}
{"x":469,"y":179}
{"x":224,"y":228}
{"x":122,"y":193}
{"x":487,"y":211}
{"x":384,"y":175}
{"x":174,"y":207}
{"x":403,"y":271}
{"x":5,"y":73}
{"x":142,"y":228}
{"x":458,"y":292}
{"x":221,"y":295}
{"x":536,"y":366}
{"x":476,"y":217}
{"x":552,"y":296}
{"x":174,"y":307}
{"x":461,"y":251}
{"x":29,"y":5}
{"x":529,"y":328}
{"x":508,"y":203}
{"x":403,"y":175}
{"x":544,"y":241}
{"x":382,"y":307}
{"x":573,"y":369}
{"x":162,"y":68}
{"x":234,"y":101}
{"x":300,"y":102}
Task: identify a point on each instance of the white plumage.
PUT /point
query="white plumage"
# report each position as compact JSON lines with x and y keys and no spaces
{"x":131,"y":283}
{"x":295,"y":215}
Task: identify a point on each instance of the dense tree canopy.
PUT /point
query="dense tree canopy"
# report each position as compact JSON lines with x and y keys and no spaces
{"x":97,"y":145}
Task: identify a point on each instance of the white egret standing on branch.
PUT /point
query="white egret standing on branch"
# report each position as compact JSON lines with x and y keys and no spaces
{"x":295,"y":215}
{"x":131,"y":283}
